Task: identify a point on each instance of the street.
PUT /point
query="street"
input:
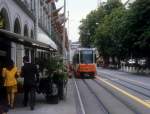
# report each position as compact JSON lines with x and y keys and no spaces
{"x":48,"y":47}
{"x":115,"y":92}
{"x":111,"y":92}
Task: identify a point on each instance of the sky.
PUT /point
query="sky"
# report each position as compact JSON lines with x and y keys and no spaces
{"x":78,"y":9}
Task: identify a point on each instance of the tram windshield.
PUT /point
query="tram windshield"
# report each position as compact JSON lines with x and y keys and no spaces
{"x":86,"y":56}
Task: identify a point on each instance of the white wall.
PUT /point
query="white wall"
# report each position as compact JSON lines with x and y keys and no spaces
{"x":14,"y":11}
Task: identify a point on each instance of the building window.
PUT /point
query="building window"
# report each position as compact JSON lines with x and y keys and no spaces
{"x":27,"y":52}
{"x":17,"y":27}
{"x":32,"y":34}
{"x":33,"y":5}
{"x":25,"y":30}
{"x":4,"y":19}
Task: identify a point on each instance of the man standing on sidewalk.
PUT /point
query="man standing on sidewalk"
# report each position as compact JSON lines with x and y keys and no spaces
{"x":30,"y":74}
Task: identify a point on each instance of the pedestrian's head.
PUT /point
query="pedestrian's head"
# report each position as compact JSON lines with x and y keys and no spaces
{"x":25,"y":59}
{"x":9,"y":64}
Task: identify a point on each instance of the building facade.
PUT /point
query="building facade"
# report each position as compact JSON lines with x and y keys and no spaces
{"x":26,"y":28}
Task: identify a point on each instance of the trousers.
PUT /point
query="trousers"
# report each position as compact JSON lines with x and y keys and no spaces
{"x":29,"y":96}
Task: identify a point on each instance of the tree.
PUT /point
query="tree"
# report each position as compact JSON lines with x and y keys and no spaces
{"x":108,"y":37}
{"x":89,"y":25}
{"x":112,"y":29}
{"x":138,"y":25}
{"x":112,"y":4}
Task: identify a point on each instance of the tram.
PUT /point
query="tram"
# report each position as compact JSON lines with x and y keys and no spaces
{"x":84,"y":62}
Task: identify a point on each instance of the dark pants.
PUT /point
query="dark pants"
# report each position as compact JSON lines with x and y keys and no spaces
{"x":29,"y":95}
{"x":3,"y":102}
{"x":60,"y":90}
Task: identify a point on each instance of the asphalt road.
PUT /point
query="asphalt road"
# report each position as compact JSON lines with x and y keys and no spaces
{"x":115,"y":92}
{"x":111,"y":92}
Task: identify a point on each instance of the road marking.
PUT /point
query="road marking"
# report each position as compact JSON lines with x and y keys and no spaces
{"x":137,"y":82}
{"x":79,"y":96}
{"x":147,"y":101}
{"x":126,"y":93}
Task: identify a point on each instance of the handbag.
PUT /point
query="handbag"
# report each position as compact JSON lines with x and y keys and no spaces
{"x":20,"y":81}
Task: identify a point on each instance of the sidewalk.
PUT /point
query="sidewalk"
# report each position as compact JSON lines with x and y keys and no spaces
{"x":66,"y":106}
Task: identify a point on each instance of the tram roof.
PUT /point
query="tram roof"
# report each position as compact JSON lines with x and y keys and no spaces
{"x":86,"y":49}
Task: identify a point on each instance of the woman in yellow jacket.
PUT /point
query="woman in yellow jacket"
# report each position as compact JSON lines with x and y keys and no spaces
{"x":9,"y":73}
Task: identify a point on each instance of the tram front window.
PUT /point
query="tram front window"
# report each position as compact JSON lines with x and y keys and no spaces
{"x":86,"y":57}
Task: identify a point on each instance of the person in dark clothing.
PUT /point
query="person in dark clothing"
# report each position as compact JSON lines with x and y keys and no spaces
{"x":3,"y":102}
{"x":30,"y":74}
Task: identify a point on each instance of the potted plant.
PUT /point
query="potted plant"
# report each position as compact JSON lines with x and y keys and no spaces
{"x":56,"y":77}
{"x":59,"y":75}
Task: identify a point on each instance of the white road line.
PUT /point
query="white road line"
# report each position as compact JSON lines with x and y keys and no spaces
{"x":79,"y":96}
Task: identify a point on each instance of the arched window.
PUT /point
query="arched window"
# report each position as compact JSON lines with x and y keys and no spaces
{"x":32,"y":34}
{"x":17,"y":27}
{"x":26,"y":30}
{"x":4,"y":19}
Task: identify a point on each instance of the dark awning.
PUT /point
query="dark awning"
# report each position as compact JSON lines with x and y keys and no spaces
{"x":26,"y":41}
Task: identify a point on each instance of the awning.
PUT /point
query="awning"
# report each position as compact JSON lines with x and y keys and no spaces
{"x":7,"y":35}
{"x":42,"y":37}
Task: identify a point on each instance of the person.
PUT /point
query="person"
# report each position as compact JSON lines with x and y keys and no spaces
{"x":70,"y":69}
{"x":3,"y":102}
{"x":10,"y":73}
{"x":30,"y":74}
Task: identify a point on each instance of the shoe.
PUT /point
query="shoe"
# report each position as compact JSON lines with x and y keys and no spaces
{"x":32,"y":108}
{"x":12,"y":106}
{"x":9,"y":106}
{"x":24,"y":104}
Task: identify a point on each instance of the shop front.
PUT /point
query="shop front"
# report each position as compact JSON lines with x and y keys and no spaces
{"x":5,"y":51}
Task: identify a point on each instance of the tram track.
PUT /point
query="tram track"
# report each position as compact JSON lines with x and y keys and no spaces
{"x":102,"y":106}
{"x":136,"y":83}
{"x":117,"y":97}
{"x":105,"y":103}
{"x":128,"y":87}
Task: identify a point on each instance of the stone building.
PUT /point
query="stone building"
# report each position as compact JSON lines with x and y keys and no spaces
{"x":26,"y":29}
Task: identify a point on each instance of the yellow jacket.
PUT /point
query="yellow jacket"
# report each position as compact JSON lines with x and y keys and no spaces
{"x":9,"y":76}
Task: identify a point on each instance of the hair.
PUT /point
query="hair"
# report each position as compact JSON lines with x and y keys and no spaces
{"x":26,"y":58}
{"x":9,"y":64}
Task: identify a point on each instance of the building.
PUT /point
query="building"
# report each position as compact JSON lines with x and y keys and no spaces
{"x":26,"y":29}
{"x":73,"y":47}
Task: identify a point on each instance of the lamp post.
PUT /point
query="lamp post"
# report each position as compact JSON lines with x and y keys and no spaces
{"x":64,"y":33}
